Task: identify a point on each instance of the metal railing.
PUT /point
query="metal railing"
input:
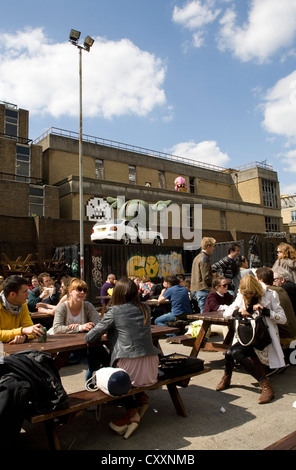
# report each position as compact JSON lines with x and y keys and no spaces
{"x":140,"y":150}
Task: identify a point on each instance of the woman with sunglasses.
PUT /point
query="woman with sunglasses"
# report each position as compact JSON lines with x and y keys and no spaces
{"x":253,"y":296}
{"x":77,"y":315}
{"x":219,"y":297}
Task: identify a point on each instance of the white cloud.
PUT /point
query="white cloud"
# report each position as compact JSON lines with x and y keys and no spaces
{"x":195,"y":16}
{"x":118,"y":78}
{"x":271,"y":26}
{"x":206,"y":152}
{"x":279,"y":108}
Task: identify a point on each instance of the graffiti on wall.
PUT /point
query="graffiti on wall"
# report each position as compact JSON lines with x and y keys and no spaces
{"x":97,"y":271}
{"x":161,"y":265}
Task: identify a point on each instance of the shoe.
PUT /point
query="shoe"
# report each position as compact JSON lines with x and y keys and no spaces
{"x":224,"y":383}
{"x":267,"y":393}
{"x":127,"y":424}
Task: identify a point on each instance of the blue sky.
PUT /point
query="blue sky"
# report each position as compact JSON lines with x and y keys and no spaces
{"x":209,"y":80}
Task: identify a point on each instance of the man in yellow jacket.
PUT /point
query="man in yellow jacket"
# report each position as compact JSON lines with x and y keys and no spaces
{"x":16,"y":324}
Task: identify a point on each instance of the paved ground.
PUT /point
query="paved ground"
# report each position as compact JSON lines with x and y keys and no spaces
{"x":229,"y":420}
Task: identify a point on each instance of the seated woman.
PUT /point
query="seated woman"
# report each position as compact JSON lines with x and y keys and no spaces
{"x":253,"y":295}
{"x":219,"y":298}
{"x":77,"y":315}
{"x":128,"y":324}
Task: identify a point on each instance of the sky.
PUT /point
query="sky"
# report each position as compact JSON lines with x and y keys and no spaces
{"x":213,"y":81}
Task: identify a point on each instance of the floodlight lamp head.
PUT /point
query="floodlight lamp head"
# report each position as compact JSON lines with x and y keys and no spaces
{"x":74,"y":35}
{"x":88,"y":42}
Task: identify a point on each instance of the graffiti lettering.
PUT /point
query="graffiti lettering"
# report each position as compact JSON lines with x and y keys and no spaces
{"x":162,"y":265}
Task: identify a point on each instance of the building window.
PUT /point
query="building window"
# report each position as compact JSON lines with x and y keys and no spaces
{"x":132,"y":174}
{"x":269,"y":193}
{"x":99,"y":169}
{"x":293,"y":216}
{"x":192,"y":185}
{"x":11,"y":123}
{"x":22,"y":163}
{"x":161,"y":179}
{"x":36,"y":201}
{"x":272,"y":224}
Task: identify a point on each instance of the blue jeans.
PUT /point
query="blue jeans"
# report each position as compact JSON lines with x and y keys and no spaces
{"x":201,"y":297}
{"x":163,"y":318}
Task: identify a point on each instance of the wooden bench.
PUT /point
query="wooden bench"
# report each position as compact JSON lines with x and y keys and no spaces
{"x":286,"y":443}
{"x":78,"y":401}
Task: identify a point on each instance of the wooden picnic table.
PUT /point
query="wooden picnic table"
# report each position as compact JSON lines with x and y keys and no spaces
{"x":61,"y":345}
{"x":200,"y":342}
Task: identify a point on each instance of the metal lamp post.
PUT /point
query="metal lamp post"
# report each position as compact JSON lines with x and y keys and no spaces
{"x":88,"y":42}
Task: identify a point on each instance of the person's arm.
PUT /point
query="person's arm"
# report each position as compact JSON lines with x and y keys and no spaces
{"x":163,"y":296}
{"x":60,"y":321}
{"x":103,"y":325}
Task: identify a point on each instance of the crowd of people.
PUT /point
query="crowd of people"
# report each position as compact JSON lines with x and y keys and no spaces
{"x":124,"y":316}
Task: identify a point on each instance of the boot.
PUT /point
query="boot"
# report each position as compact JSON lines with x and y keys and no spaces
{"x":224,"y":383}
{"x":267,"y":393}
{"x":127,"y":424}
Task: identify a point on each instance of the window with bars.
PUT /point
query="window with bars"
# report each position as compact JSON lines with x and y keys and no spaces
{"x":269,"y":193}
{"x":11,"y":122}
{"x":272,"y":224}
{"x":36,"y":201}
{"x":132,"y":176}
{"x":22,"y":163}
{"x":161,"y":179}
{"x":99,"y":169}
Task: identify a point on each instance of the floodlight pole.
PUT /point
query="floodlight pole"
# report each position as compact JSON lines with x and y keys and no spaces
{"x":74,"y":37}
{"x":81,"y":170}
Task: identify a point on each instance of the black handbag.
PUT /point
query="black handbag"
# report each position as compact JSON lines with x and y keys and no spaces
{"x":252,"y":331}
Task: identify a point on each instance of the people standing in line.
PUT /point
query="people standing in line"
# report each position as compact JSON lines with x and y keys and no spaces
{"x":219,"y":297}
{"x":45,"y":293}
{"x":179,"y":300}
{"x":16,"y":325}
{"x":253,"y":296}
{"x":228,"y":266}
{"x":107,"y":288}
{"x":201,"y":272}
{"x":128,"y":326}
{"x":286,"y":258}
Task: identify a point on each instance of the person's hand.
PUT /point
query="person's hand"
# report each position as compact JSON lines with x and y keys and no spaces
{"x":33,"y":330}
{"x":257,"y":306}
{"x":244,"y":312}
{"x":73,"y":326}
{"x":87,"y":326}
{"x":44,"y":294}
{"x":18,"y":339}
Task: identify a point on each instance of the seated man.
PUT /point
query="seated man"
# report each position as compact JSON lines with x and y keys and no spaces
{"x":16,"y":323}
{"x":45,"y":293}
{"x":179,"y":298}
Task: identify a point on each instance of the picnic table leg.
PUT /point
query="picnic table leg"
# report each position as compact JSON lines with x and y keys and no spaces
{"x":52,"y":435}
{"x":177,"y":400}
{"x":200,"y":338}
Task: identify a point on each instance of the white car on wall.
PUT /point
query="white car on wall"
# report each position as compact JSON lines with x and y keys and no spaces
{"x":126,"y":232}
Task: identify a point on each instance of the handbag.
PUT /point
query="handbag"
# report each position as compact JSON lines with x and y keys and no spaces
{"x":175,"y":365}
{"x":252,"y":331}
{"x":111,"y":380}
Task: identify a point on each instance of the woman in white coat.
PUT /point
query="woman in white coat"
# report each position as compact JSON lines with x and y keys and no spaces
{"x":253,"y":295}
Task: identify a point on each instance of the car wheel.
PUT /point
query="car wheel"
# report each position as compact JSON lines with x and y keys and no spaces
{"x":157,"y":241}
{"x":126,"y":239}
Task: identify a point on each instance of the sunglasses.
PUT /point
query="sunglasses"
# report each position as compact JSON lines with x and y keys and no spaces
{"x":81,"y":289}
{"x":223,"y":285}
{"x":248,"y":293}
